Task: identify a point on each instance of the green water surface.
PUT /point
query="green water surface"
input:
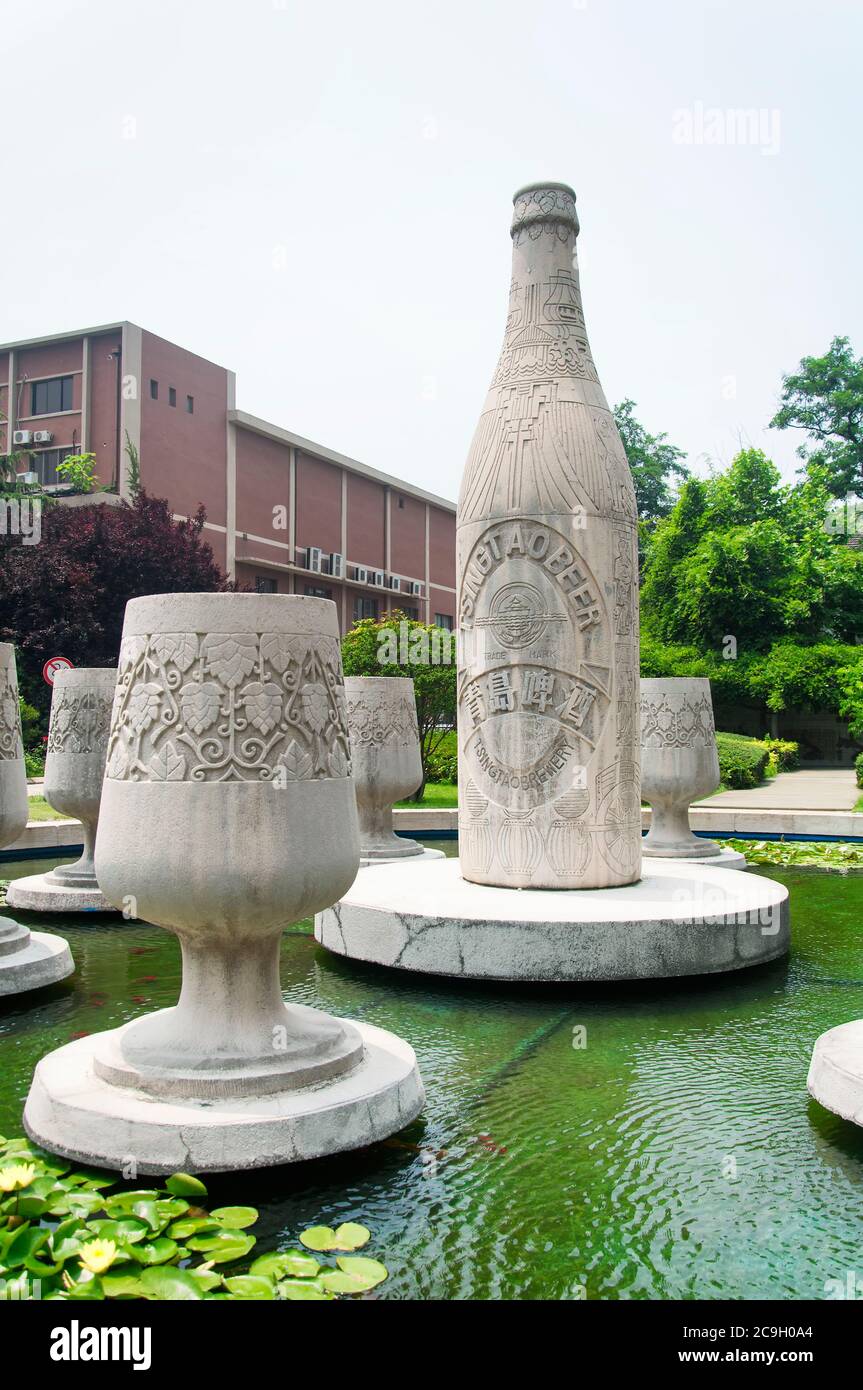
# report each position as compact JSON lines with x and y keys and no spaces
{"x":675,"y":1155}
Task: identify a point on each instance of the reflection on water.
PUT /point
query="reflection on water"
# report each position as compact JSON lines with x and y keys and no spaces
{"x":675,"y":1155}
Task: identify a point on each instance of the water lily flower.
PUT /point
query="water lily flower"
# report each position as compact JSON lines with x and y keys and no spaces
{"x":98,"y":1255}
{"x":16,"y":1176}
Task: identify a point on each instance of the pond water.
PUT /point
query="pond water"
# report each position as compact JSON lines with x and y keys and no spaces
{"x":676,"y":1155}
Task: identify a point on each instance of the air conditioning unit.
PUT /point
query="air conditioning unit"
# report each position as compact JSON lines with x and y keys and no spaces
{"x":28,"y":479}
{"x":395,"y":582}
{"x":337,"y":566}
{"x":314,"y":557}
{"x":42,"y":437}
{"x":379,"y":579}
{"x":416,"y":587}
{"x":361,"y":574}
{"x":22,"y":437}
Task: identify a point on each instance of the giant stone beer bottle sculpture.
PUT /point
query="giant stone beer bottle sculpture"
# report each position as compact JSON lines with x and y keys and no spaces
{"x":548,"y":585}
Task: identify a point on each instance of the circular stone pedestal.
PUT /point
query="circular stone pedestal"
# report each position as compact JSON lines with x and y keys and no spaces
{"x":680,"y":919}
{"x":427,"y":854}
{"x":31,"y":959}
{"x":836,"y":1071}
{"x":42,"y":893}
{"x":73,"y":1112}
{"x":725,"y":859}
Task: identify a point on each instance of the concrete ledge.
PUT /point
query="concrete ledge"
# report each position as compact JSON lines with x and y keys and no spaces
{"x":46,"y":837}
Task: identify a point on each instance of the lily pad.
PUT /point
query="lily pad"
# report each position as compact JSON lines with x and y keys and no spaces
{"x":352,"y":1236}
{"x":184,"y":1185}
{"x":245,"y":1286}
{"x":319,"y":1238}
{"x":169,"y":1283}
{"x":235,"y":1218}
{"x":304,"y":1290}
{"x":355,"y":1274}
{"x":156,"y":1252}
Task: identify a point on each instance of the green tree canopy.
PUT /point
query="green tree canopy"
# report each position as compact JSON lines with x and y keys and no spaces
{"x":743,"y":555}
{"x":654,"y":464}
{"x":824,"y":398}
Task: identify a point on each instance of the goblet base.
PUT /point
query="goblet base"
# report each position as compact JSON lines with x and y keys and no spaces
{"x":153,"y":1055}
{"x":31,"y":959}
{"x":389,"y":847}
{"x":836,"y":1071}
{"x":72,"y":1111}
{"x":45,"y":893}
{"x":423,"y":855}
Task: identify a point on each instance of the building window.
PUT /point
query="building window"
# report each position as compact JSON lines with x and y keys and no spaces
{"x":365,"y":608}
{"x":154,"y":390}
{"x":190,"y":405}
{"x":44,"y":465}
{"x":264,"y":585}
{"x":315,"y":591}
{"x":401,"y":504}
{"x":172,"y":395}
{"x":50,"y":397}
{"x":410,"y":611}
{"x":443,"y":620}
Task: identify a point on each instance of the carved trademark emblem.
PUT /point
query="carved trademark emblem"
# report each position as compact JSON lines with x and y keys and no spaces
{"x":518,"y":616}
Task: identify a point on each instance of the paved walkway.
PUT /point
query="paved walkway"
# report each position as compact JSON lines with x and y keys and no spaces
{"x":815,"y":789}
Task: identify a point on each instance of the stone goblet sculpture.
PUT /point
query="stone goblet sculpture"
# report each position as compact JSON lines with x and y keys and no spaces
{"x":74,"y":769}
{"x":679,"y":763}
{"x":228,"y":812}
{"x":385,"y":749}
{"x":28,"y":959}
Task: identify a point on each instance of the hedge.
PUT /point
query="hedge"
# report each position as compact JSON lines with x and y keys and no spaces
{"x":742,"y":761}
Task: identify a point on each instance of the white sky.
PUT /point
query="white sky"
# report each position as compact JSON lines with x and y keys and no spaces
{"x":318,"y":196}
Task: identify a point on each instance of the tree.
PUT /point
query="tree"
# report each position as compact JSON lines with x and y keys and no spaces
{"x":67,"y":595}
{"x":654,"y":464}
{"x":398,"y":646}
{"x":743,"y":555}
{"x":824,"y":397}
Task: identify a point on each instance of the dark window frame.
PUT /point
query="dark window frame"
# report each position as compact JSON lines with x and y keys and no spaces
{"x":41,"y":395}
{"x":154,"y":389}
{"x":172,"y":395}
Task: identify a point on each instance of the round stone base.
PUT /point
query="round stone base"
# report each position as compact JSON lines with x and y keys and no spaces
{"x":399,"y":859}
{"x":725,"y":859}
{"x":70,"y":1111}
{"x":836,"y":1071}
{"x":41,"y":960}
{"x":42,"y":893}
{"x":680,"y":919}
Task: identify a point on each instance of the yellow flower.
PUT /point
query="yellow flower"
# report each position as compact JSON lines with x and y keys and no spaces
{"x":20,"y":1175}
{"x":98,"y":1256}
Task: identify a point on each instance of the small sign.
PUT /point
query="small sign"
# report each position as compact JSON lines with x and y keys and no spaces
{"x":57,"y":663}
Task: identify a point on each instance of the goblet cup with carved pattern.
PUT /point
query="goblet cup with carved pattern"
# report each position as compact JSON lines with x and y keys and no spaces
{"x":13,"y":774}
{"x":385,"y":748}
{"x":679,"y":762}
{"x":75,"y":760}
{"x":228,"y":813}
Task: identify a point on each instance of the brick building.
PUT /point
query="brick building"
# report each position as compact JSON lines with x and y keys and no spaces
{"x":284,"y":515}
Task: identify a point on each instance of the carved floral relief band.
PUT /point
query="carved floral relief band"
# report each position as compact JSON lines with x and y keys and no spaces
{"x":10,"y":716}
{"x":196,"y":706}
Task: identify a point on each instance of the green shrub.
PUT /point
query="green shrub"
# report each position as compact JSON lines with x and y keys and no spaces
{"x":783,"y":754}
{"x":742,"y":761}
{"x":34,"y":762}
{"x":858,"y":764}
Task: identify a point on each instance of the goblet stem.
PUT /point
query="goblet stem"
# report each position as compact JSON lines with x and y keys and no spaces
{"x":231,"y":1001}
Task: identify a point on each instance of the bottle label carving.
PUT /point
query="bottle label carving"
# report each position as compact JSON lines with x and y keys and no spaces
{"x":216,"y":707}
{"x":535,"y":677}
